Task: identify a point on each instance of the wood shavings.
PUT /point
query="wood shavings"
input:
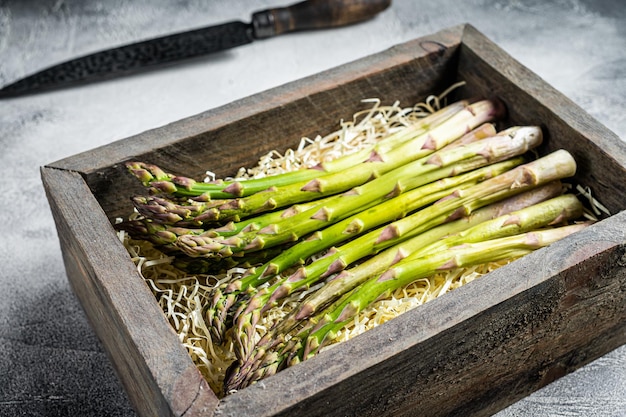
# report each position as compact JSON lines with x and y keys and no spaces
{"x":182,"y":297}
{"x":597,"y":208}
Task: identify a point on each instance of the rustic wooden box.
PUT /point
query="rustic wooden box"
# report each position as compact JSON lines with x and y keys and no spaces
{"x":470,"y":352}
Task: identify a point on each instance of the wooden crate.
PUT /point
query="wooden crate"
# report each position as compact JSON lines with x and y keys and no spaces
{"x":470,"y":352}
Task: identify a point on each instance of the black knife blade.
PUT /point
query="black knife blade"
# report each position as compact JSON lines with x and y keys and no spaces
{"x":135,"y":57}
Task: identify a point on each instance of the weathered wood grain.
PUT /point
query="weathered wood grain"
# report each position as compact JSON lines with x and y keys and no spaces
{"x":471,"y":352}
{"x":599,"y":153}
{"x":156,"y":371}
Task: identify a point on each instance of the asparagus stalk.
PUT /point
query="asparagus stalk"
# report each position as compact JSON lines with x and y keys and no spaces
{"x":153,"y":176}
{"x":405,"y":272}
{"x":350,"y":278}
{"x":258,"y":222}
{"x":347,"y":280}
{"x":476,"y":196}
{"x":310,"y":339}
{"x":193,"y":214}
{"x":547,"y":213}
{"x":460,"y":203}
{"x":511,"y":142}
{"x":439,"y":165}
{"x":376,"y":165}
{"x":383,"y":213}
{"x":162,"y":236}
{"x":397,"y":207}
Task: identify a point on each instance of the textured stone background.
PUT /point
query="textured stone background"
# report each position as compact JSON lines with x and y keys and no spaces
{"x":51,"y":363}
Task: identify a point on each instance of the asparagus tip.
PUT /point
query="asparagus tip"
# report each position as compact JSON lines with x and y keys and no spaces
{"x":235,"y":188}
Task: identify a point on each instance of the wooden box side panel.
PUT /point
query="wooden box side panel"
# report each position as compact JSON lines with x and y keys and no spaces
{"x":471,"y":352}
{"x":571,"y":311}
{"x":224,"y":139}
{"x":158,"y":374}
{"x":599,"y":153}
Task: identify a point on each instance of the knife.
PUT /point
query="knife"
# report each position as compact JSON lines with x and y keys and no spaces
{"x":306,"y":15}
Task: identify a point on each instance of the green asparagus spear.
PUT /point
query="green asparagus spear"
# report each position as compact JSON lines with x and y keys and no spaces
{"x":349,"y":279}
{"x":377,"y":164}
{"x":557,"y":165}
{"x":153,"y":176}
{"x":162,"y":236}
{"x":479,"y":195}
{"x":405,"y":272}
{"x":218,"y":310}
{"x":353,"y":277}
{"x":314,"y":335}
{"x":393,"y":209}
{"x":438,"y":165}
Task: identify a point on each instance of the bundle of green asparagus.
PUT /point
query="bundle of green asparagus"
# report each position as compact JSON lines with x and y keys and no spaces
{"x":303,"y":254}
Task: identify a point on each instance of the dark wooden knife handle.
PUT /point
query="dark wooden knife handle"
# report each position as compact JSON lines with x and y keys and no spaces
{"x":314,"y":14}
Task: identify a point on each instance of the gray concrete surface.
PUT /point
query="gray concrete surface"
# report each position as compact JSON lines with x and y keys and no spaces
{"x":51,"y":363}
